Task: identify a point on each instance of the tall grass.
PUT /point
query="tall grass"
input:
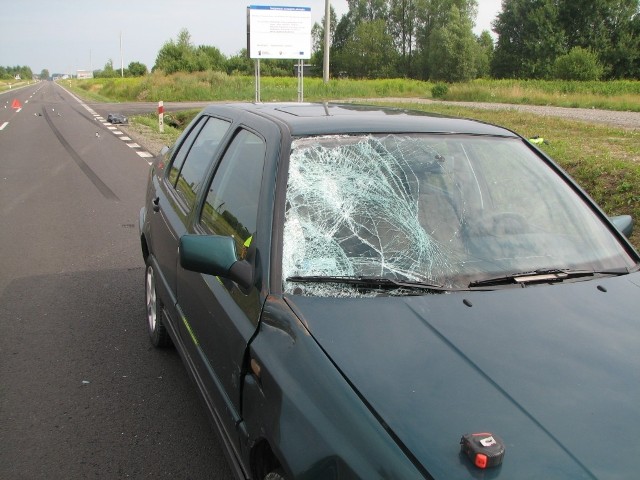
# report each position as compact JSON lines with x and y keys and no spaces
{"x":204,"y":86}
{"x":612,"y":95}
{"x":215,"y":86}
{"x":11,"y":84}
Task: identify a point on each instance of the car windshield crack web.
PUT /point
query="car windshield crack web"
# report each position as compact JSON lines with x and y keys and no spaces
{"x":353,"y":209}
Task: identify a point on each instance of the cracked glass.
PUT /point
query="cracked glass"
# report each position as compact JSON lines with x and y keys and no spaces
{"x":442,"y":210}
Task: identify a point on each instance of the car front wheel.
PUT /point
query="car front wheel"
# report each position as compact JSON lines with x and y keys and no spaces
{"x":157,"y":332}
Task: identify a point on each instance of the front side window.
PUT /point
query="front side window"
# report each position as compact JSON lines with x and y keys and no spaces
{"x":231,"y":206}
{"x":200,"y":155}
{"x":440,"y":209}
{"x":183,"y":150}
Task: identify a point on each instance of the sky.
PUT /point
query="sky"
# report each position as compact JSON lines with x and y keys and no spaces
{"x":64,"y":36}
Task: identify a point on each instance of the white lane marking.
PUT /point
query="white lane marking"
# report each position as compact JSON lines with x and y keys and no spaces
{"x":117,"y":132}
{"x":126,"y":139}
{"x":145,"y":155}
{"x":18,"y":110}
{"x":133,"y":145}
{"x":4,"y":125}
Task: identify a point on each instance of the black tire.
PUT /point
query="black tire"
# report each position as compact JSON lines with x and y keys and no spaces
{"x":157,"y":332}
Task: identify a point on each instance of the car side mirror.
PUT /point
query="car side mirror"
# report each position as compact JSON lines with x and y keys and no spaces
{"x":214,"y":255}
{"x":624,"y":223}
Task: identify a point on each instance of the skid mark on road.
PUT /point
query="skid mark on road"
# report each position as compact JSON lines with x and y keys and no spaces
{"x":86,"y":169}
{"x":99,"y":118}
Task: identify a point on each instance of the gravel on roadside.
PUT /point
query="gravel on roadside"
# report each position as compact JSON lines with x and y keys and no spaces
{"x":628,"y":120}
{"x":145,"y":136}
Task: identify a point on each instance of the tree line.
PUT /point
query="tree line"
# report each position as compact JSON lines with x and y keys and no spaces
{"x":434,"y":40}
{"x":9,"y":73}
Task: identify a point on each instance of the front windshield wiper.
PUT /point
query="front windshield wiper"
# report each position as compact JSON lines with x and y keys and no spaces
{"x":544,"y":275}
{"x":365,"y":281}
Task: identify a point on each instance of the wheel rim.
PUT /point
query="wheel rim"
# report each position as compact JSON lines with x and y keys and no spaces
{"x":151,"y":300}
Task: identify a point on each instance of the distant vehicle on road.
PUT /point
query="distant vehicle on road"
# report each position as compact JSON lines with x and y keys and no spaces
{"x":362,"y":292}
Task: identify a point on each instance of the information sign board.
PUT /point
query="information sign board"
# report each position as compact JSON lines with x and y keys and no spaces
{"x":278,"y":32}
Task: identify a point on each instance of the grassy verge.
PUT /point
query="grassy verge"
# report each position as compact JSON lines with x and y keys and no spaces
{"x":621,"y":95}
{"x":174,"y":124}
{"x":215,"y":86}
{"x":10,"y":84}
{"x":616,"y":95}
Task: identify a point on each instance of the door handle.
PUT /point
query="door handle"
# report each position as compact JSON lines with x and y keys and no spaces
{"x":156,"y":204}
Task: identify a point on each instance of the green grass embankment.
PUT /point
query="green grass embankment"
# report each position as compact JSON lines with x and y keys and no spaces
{"x":217,"y":86}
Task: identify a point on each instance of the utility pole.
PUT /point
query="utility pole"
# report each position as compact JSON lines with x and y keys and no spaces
{"x":327,"y":27}
{"x":121,"y":59}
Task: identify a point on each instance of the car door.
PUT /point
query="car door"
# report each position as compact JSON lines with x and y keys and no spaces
{"x":176,"y":190}
{"x":219,"y":315}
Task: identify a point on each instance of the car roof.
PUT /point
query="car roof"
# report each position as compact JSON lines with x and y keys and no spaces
{"x":336,"y":118}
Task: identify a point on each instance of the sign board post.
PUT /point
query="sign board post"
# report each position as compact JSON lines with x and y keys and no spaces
{"x":278,"y":32}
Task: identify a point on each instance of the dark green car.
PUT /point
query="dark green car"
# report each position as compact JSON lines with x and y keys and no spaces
{"x":369,"y":293}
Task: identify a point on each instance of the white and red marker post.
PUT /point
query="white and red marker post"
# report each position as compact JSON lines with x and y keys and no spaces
{"x":161,"y":116}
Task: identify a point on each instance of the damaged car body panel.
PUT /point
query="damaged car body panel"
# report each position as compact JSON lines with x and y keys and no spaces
{"x":354,"y":288}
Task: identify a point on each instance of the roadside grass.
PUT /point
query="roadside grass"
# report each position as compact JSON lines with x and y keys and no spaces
{"x":6,"y":85}
{"x":147,"y":126}
{"x":174,"y":124}
{"x":217,"y":86}
{"x":621,"y":95}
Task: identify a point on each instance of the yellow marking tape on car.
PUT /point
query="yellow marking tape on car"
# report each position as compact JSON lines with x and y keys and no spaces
{"x":191,"y":334}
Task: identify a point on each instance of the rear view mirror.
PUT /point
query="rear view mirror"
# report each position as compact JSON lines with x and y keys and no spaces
{"x":214,"y":255}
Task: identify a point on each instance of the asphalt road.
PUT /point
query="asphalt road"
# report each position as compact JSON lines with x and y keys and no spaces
{"x":82,"y":392}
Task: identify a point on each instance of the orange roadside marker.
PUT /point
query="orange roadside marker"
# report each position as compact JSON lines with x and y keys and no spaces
{"x":16,"y":103}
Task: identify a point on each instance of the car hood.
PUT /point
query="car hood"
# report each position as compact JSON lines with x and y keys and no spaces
{"x":553,"y":370}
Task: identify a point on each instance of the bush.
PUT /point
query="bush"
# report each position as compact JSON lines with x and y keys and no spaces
{"x":439,"y":90}
{"x":579,"y":64}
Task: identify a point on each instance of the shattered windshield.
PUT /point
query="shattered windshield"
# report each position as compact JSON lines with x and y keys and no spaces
{"x":437,"y":209}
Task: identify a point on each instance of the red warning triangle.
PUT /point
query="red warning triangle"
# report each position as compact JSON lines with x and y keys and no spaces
{"x":16,"y":103}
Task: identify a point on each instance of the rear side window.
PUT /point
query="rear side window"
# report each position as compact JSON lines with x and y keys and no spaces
{"x":201,"y":150}
{"x":231,"y":207}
